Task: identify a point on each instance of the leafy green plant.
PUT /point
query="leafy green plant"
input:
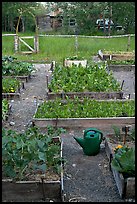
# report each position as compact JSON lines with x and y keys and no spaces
{"x":121,"y":62}
{"x":94,"y":78}
{"x":51,"y":131}
{"x":6,"y":59}
{"x":124,"y":161}
{"x":86,"y":108}
{"x":10,"y":85}
{"x":5,"y":109}
{"x":14,"y":68}
{"x":28,"y":153}
{"x":116,"y":130}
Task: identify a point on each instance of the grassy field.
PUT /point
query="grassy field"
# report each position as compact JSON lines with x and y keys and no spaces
{"x":57,"y":48}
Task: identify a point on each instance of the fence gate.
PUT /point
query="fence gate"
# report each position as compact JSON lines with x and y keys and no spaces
{"x":17,"y":44}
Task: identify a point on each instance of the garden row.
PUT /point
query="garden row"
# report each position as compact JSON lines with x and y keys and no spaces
{"x":64,"y":111}
{"x":83,"y":95}
{"x":28,"y":175}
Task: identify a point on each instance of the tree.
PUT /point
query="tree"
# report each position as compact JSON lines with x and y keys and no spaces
{"x":86,"y":14}
{"x":12,"y":10}
{"x":124,"y":14}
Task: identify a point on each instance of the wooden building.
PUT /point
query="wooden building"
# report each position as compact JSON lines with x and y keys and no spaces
{"x":52,"y":21}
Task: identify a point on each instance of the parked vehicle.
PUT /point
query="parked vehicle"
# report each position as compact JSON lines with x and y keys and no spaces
{"x":100,"y":23}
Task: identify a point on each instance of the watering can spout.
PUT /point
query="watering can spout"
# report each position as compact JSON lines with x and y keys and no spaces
{"x":80,"y":141}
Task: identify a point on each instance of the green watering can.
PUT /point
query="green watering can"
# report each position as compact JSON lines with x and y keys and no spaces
{"x":91,"y":141}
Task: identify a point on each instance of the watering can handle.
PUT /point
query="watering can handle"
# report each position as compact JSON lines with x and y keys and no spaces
{"x":93,"y":129}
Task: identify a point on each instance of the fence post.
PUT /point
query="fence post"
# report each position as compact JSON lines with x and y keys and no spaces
{"x":128,"y":44}
{"x":16,"y":43}
{"x":36,"y":43}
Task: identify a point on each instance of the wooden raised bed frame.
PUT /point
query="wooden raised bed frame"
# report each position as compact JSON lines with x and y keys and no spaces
{"x":11,"y":95}
{"x":15,"y":95}
{"x":69,"y":63}
{"x":30,"y":191}
{"x":103,"y":123}
{"x":22,"y":78}
{"x":126,"y":187}
{"x":116,"y":56}
{"x":92,"y":95}
{"x":121,"y":67}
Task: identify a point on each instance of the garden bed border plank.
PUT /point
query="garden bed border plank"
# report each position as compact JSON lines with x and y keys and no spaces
{"x":118,"y":67}
{"x":22,"y":78}
{"x":11,"y":95}
{"x":126,"y":187}
{"x":116,"y":56}
{"x":103,"y":123}
{"x":92,"y":95}
{"x":69,"y":63}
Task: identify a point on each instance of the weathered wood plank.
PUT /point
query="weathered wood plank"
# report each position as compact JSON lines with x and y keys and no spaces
{"x":26,"y":45}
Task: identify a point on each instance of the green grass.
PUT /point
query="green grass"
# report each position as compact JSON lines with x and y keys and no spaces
{"x":57,"y":48}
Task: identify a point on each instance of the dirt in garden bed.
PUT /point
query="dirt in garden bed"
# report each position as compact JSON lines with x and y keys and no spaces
{"x":86,"y":178}
{"x":50,"y":175}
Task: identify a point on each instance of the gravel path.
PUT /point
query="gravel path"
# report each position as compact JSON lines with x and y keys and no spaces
{"x":86,"y":178}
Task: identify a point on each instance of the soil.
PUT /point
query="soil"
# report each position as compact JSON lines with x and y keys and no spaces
{"x":86,"y":178}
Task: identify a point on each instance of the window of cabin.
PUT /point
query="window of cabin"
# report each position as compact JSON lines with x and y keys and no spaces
{"x":72,"y":22}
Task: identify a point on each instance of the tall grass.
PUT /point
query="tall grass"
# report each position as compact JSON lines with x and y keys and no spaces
{"x":57,"y":48}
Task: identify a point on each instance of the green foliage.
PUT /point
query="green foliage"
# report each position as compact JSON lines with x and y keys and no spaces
{"x":116,"y":130}
{"x":132,"y":133}
{"x":85,"y":109}
{"x":94,"y":78}
{"x":54,"y":133}
{"x":5,"y":109}
{"x":85,"y":13}
{"x":9,"y":19}
{"x":124,"y":161}
{"x":29,"y":152}
{"x":10,"y":85}
{"x":10,"y":67}
{"x":121,"y":62}
{"x":124,"y":14}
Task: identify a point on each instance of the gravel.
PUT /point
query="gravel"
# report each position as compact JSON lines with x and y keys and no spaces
{"x":86,"y":178}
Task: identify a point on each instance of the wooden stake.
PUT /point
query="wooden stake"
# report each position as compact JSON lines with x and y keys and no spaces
{"x":16,"y":43}
{"x":128,"y":44}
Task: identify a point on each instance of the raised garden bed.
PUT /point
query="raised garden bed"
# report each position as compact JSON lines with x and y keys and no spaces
{"x":93,"y":82}
{"x":16,"y":69}
{"x":11,"y":88}
{"x":115,"y":56}
{"x":69,"y":63}
{"x":126,"y":186}
{"x":62,"y":114}
{"x":46,"y":187}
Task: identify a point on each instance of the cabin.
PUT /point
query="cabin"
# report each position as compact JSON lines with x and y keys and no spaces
{"x":53,"y":21}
